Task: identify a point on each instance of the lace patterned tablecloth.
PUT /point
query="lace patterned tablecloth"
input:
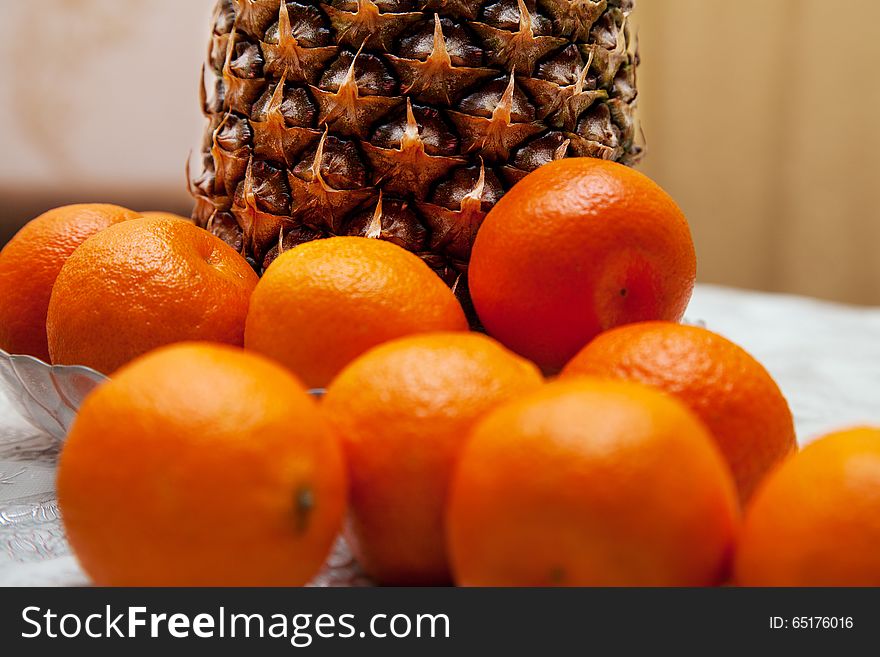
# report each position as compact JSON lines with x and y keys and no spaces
{"x":825,"y":357}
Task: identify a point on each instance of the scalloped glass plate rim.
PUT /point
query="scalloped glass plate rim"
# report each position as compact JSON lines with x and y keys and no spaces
{"x":40,"y":413}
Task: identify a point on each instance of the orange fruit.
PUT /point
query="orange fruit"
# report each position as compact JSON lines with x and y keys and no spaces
{"x":161,"y":214}
{"x":591,"y":483}
{"x":29,"y":265}
{"x":403,"y":411}
{"x":578,"y":247}
{"x":144,"y":284}
{"x":816,"y":520}
{"x":324,"y":303}
{"x":730,"y":391}
{"x":201,"y":465}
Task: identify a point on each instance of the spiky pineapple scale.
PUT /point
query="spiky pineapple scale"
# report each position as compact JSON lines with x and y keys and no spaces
{"x":403,"y":120}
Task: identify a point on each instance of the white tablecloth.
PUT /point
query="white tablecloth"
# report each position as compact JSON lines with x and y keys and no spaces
{"x":826,"y":358}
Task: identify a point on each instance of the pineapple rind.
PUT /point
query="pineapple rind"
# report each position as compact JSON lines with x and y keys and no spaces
{"x":403,"y":120}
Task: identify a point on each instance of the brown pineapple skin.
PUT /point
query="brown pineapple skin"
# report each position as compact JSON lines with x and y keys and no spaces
{"x":403,"y":120}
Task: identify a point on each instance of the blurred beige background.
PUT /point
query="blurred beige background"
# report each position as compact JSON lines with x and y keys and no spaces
{"x":761,"y":119}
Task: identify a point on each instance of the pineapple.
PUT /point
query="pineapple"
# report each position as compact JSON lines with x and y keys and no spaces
{"x":404,"y":120}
